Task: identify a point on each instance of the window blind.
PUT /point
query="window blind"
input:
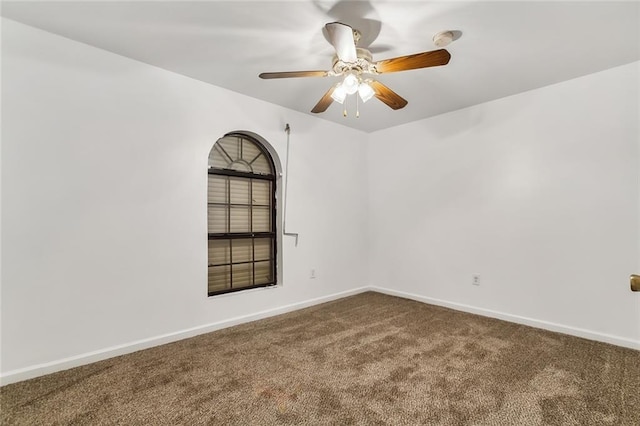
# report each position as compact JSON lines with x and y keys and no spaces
{"x":240,"y":216}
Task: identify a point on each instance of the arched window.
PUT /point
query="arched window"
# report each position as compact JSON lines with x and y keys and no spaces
{"x":241,"y":215}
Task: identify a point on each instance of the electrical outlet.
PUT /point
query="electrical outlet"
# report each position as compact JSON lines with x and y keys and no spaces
{"x":312,"y":274}
{"x":475,"y":279}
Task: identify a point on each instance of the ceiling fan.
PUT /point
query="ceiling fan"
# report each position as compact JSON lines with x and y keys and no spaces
{"x":358,"y":67}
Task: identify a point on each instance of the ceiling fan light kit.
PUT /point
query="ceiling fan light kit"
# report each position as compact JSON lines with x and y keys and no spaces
{"x":350,"y":83}
{"x":353,"y":63}
{"x":365,"y":91}
{"x":349,"y":87}
{"x":339,"y":94}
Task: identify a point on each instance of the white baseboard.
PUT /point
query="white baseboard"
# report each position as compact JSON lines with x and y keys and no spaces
{"x":102,"y":354}
{"x":545,"y":325}
{"x":113,"y":351}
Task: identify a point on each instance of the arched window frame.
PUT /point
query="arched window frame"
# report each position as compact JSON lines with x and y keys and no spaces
{"x":234,"y":162}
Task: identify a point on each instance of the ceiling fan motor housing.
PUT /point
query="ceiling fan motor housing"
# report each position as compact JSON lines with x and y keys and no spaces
{"x":363,"y":65}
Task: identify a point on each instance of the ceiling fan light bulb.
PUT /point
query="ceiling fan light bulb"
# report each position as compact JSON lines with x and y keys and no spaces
{"x":350,"y":84}
{"x":365,"y":91}
{"x":339,"y":93}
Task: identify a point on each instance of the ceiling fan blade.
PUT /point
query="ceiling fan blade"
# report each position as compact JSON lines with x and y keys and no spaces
{"x":341,"y":38}
{"x":415,"y":61}
{"x":324,"y":102}
{"x":289,"y":74}
{"x":388,"y":96}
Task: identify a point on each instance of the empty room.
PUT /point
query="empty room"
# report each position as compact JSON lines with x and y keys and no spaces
{"x":320,"y":212}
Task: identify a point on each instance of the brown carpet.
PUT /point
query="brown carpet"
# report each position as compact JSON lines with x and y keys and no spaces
{"x":368,"y":359}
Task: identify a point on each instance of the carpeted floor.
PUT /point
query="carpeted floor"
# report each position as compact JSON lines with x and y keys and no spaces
{"x":369,"y":359}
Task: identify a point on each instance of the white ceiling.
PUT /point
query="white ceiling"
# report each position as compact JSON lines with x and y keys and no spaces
{"x":506,"y":47}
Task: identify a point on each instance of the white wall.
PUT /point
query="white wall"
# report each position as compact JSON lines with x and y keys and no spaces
{"x":104,"y":211}
{"x":537,"y":193}
{"x":104,"y":203}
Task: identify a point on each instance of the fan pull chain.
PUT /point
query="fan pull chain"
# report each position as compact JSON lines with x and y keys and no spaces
{"x":344,"y":113}
{"x":357,"y":107}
